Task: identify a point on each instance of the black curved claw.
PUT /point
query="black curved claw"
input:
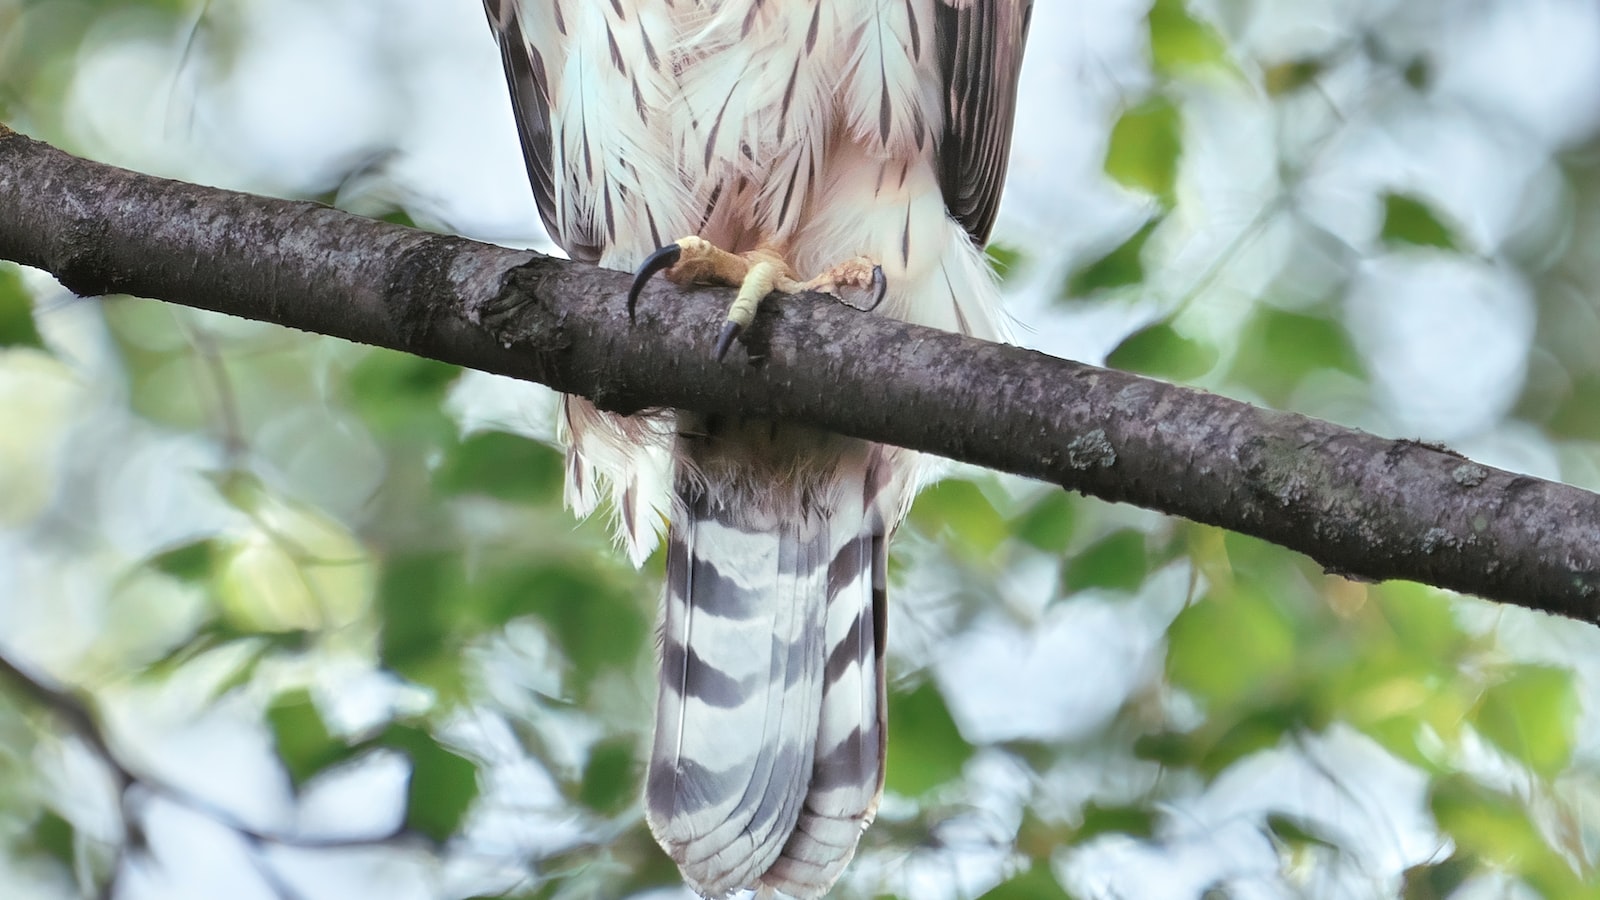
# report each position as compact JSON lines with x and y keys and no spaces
{"x":664,"y":258}
{"x":880,"y":287}
{"x":730,"y":330}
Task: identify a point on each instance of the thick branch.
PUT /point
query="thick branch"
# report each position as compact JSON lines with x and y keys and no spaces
{"x":1359,"y":505}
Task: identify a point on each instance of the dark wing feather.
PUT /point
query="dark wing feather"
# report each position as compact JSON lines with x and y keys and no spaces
{"x":530,"y":103}
{"x":980,"y":54}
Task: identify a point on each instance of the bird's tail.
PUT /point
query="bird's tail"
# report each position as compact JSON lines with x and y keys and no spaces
{"x":847,"y":774}
{"x":768,"y":755}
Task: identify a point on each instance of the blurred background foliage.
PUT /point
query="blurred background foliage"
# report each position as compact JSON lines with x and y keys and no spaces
{"x":337,"y":638}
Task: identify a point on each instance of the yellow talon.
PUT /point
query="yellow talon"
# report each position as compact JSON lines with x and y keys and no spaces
{"x":758,"y":273}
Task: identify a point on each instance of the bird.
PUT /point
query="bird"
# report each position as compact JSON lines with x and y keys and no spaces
{"x":853,"y":147}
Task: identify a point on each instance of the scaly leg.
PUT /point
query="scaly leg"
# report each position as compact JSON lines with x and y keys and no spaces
{"x":757,"y":273}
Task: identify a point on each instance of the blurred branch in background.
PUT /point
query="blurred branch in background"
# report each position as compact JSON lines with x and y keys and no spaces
{"x":134,"y":788}
{"x":1363,"y":507}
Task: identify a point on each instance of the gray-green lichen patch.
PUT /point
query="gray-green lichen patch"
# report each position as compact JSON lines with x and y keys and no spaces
{"x":1469,"y":474}
{"x":1091,"y":449}
{"x":1436,"y":539}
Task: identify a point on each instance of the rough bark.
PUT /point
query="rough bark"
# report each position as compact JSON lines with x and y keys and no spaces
{"x":1360,"y":505}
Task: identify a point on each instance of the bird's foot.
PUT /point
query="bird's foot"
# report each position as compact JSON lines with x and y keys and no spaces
{"x":756,"y":273}
{"x":857,"y":283}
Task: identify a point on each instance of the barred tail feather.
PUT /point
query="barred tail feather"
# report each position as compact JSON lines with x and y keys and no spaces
{"x":741,"y":685}
{"x":847,"y":777}
{"x":767,"y":766}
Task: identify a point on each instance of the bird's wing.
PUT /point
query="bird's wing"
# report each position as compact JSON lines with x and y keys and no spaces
{"x":980,"y":54}
{"x":530,"y":103}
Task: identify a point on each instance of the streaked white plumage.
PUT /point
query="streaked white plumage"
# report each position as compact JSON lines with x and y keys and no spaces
{"x":826,"y":129}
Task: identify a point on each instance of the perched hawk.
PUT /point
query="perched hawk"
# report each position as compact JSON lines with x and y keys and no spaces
{"x":776,"y":144}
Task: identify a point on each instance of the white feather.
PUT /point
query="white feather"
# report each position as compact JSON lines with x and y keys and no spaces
{"x":888,"y":96}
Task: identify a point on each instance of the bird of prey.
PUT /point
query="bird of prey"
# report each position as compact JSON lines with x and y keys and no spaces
{"x":834,"y":145}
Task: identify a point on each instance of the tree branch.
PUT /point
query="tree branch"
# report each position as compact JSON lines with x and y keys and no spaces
{"x":1361,"y":506}
{"x":79,"y":716}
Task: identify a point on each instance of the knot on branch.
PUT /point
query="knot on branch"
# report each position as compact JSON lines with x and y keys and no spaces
{"x":420,"y":284}
{"x":83,"y":266}
{"x":517,"y":314}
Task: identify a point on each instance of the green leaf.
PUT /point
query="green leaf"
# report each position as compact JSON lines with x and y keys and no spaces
{"x":1135,"y":821}
{"x":1118,"y":562}
{"x":301,"y":737}
{"x":216,"y":639}
{"x":192,"y":562}
{"x":1278,"y":349}
{"x":1230,"y":646}
{"x":1160,"y":351}
{"x":1121,"y":267}
{"x":497,"y":464}
{"x":1424,"y":623}
{"x":1260,"y":729}
{"x":418,"y":599}
{"x":1437,"y":881}
{"x":1577,"y":413}
{"x":399,"y":217}
{"x":1484,"y":822}
{"x":1408,"y":220}
{"x":295,"y":569}
{"x":1296,"y":831}
{"x":958,"y":507}
{"x":599,"y":623}
{"x":429,"y":607}
{"x":1172,"y":749}
{"x":17,"y":328}
{"x":400,"y":393}
{"x":1048,"y":524}
{"x":1533,"y":715}
{"x":927,"y":749}
{"x":1179,"y":41}
{"x":608,"y":776}
{"x":1418,"y":73}
{"x":55,"y":837}
{"x":1144,"y":149}
{"x":1488,"y":825}
{"x":1288,"y":77}
{"x":1005,"y":260}
{"x":443,"y":782}
{"x":1037,"y":883}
